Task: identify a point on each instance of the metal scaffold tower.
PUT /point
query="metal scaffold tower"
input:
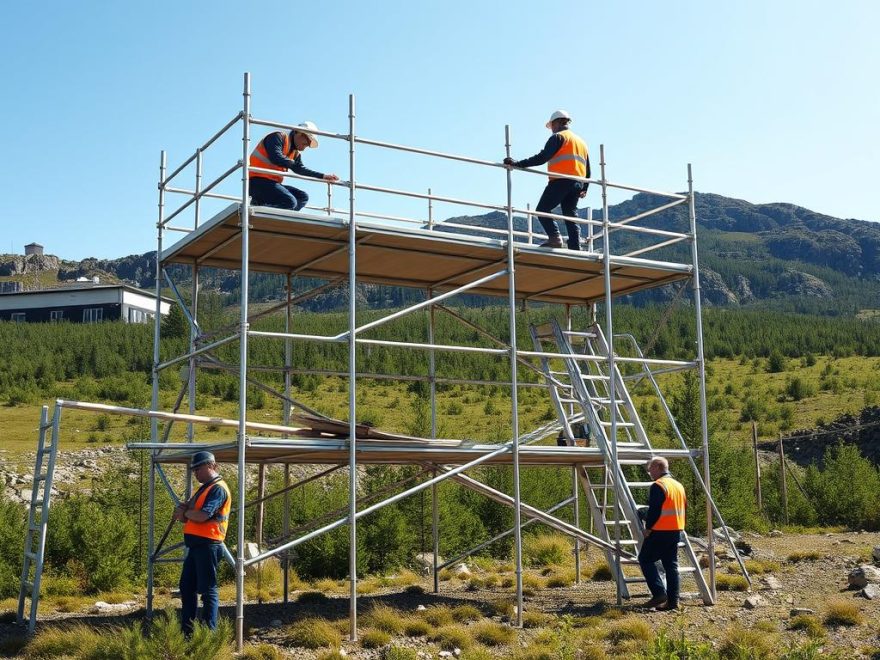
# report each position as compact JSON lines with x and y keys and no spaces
{"x":586,"y":372}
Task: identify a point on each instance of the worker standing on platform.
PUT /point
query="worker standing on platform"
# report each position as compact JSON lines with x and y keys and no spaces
{"x":564,"y":153}
{"x":282,"y":151}
{"x":205,"y":516}
{"x":664,"y":524}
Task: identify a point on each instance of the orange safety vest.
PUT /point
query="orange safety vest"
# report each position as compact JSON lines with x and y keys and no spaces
{"x":213,"y":528}
{"x":260,"y":158}
{"x":572,"y":157}
{"x":672,"y":512}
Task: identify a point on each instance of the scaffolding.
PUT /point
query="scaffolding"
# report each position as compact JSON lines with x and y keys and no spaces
{"x":351,"y":246}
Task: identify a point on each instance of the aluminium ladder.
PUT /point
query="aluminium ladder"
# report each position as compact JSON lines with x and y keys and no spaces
{"x":38,"y":517}
{"x":580,"y":395}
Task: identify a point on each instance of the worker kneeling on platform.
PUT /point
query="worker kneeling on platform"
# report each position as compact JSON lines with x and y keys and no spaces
{"x":664,"y":523}
{"x":280,"y":151}
{"x":205,"y":517}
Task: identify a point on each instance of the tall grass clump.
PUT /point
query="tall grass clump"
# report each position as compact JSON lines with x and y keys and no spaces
{"x":742,"y":642}
{"x":842,"y":612}
{"x":546,"y":550}
{"x":313,"y":633}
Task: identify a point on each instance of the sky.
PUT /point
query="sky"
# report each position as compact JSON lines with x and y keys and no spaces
{"x":769,"y":101}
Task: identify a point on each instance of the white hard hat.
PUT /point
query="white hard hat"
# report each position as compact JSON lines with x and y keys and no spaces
{"x":558,"y":114}
{"x":305,"y":128}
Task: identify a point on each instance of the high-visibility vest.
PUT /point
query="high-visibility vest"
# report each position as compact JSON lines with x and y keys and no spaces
{"x":572,"y":157}
{"x":260,"y":158}
{"x":214,"y":528}
{"x":673,"y":509}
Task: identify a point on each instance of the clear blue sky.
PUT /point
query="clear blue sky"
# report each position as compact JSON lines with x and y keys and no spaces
{"x":770,"y":101}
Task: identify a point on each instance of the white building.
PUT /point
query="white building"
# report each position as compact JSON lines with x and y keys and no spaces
{"x":82,"y":303}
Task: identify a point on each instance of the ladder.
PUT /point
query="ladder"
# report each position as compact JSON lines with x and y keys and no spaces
{"x":38,"y":517}
{"x":581,"y":396}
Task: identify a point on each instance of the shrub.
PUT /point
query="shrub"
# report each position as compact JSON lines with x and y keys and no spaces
{"x":842,"y":612}
{"x":502,"y":608}
{"x":313,"y":598}
{"x":452,"y":637}
{"x":374,"y":639}
{"x":61,"y":642}
{"x":261,"y":652}
{"x":809,"y":624}
{"x":630,"y":627}
{"x":400,"y":653}
{"x":546,"y":550}
{"x":803,"y":555}
{"x":438,"y":615}
{"x":667,"y":647}
{"x":491,"y":633}
{"x":384,"y":618}
{"x":726,"y":582}
{"x":602,"y":573}
{"x":747,"y":643}
{"x":314,"y":633}
{"x":466,"y":613}
{"x":413,"y":627}
{"x":561,"y":580}
{"x":536,"y":619}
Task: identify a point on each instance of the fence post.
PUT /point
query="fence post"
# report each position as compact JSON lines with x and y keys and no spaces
{"x":784,"y":483}
{"x":757,"y":468}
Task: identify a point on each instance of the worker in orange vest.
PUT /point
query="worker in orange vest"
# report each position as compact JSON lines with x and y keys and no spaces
{"x":281,"y":151}
{"x":205,"y":517}
{"x":564,"y":153}
{"x":664,"y":524}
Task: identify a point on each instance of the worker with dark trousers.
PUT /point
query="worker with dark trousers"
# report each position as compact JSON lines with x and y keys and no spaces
{"x":282,"y":151}
{"x":664,"y":524}
{"x":564,"y":153}
{"x":205,"y":517}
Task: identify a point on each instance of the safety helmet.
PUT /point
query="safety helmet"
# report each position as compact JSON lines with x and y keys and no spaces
{"x":558,"y":114}
{"x":306,"y":128}
{"x":200,"y":458}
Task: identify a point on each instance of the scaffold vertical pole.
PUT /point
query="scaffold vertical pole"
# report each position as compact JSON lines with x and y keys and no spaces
{"x":514,"y":394}
{"x":576,"y":510}
{"x":288,"y":360}
{"x":154,"y":400}
{"x":701,"y":367}
{"x":243,"y":363}
{"x":612,"y":395}
{"x":432,"y":373}
{"x":352,"y":378}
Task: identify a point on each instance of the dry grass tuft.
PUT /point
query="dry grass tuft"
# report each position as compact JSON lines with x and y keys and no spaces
{"x":536,"y":619}
{"x":809,"y":624}
{"x":466,"y":613}
{"x":261,"y":652}
{"x":452,"y":637}
{"x":437,"y":615}
{"x":629,"y":627}
{"x":491,"y":633}
{"x":546,"y":550}
{"x":803,"y":555}
{"x":742,"y":642}
{"x":842,"y":612}
{"x":726,"y":582}
{"x":375,"y":639}
{"x":314,"y":633}
{"x":383,"y":617}
{"x":415,"y":627}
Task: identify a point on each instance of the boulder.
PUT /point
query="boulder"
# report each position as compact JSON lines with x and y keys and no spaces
{"x":423,"y":562}
{"x":800,"y":611}
{"x":771,"y":583}
{"x":862,"y":576}
{"x":871,"y":592}
{"x":101,"y":607}
{"x":462,"y":571}
{"x":753,"y":602}
{"x":875,"y":553}
{"x":775,"y":533}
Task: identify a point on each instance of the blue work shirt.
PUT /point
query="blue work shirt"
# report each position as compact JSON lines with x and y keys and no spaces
{"x":215,"y":499}
{"x":274,"y":144}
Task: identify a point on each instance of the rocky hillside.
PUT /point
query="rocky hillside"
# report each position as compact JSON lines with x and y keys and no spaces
{"x":779,"y":256}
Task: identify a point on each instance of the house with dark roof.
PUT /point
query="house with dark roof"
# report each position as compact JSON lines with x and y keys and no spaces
{"x":82,"y":302}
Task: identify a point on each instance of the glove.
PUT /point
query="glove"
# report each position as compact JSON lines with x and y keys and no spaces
{"x":509,"y":161}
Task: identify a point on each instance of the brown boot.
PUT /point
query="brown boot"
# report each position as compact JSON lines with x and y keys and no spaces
{"x":656,"y":601}
{"x":555,"y":242}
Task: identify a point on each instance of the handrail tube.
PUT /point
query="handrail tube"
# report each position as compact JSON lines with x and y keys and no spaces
{"x":658,"y":246}
{"x":286,"y":489}
{"x":292,"y":127}
{"x":645,"y":190}
{"x":186,"y":356}
{"x":207,"y":189}
{"x":379,"y":342}
{"x":649,"y":213}
{"x":294,"y":175}
{"x":207,"y":144}
{"x":186,"y":191}
{"x":601,"y":358}
{"x":415,"y":195}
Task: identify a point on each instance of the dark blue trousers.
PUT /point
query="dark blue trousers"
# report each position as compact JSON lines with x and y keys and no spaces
{"x":661,"y":546}
{"x":564,"y":193}
{"x":199,"y":576}
{"x":268,"y":193}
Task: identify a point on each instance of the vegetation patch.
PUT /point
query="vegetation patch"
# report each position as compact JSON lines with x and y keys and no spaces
{"x":809,"y":624}
{"x":546,"y":550}
{"x":374,"y":639}
{"x":261,"y":652}
{"x":803,"y":555}
{"x":438,"y":615}
{"x":842,"y":612}
{"x":740,"y":643}
{"x":399,"y":653}
{"x":726,"y":582}
{"x":629,"y":627}
{"x":452,"y":637}
{"x":383,"y":617}
{"x":415,"y":627}
{"x":313,"y":633}
{"x":491,"y":633}
{"x":466,"y":613}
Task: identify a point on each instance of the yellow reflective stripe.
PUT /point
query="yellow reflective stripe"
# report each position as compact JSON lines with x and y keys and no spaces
{"x":260,"y":157}
{"x":671,"y":512}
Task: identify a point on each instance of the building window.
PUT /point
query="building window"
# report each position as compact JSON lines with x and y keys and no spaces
{"x":18,"y":317}
{"x":56,"y":315}
{"x":93,"y":315}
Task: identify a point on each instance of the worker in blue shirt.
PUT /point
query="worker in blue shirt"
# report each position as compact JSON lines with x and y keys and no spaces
{"x":565,"y":153}
{"x":280,"y":151}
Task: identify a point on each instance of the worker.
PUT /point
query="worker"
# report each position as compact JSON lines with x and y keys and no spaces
{"x":280,"y":151}
{"x":205,"y":517}
{"x":564,"y":153}
{"x":664,"y":524}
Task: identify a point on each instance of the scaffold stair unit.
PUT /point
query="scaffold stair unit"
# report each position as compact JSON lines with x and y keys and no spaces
{"x":38,"y":518}
{"x":581,"y":398}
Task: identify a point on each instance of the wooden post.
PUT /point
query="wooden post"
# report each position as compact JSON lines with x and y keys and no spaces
{"x":784,"y":483}
{"x":757,"y":468}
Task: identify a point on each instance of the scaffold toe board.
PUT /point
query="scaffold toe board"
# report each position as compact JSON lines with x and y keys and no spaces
{"x":316,"y":246}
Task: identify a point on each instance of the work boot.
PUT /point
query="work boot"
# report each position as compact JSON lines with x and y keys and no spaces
{"x":666,"y":607}
{"x":656,"y":601}
{"x":552,"y":242}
